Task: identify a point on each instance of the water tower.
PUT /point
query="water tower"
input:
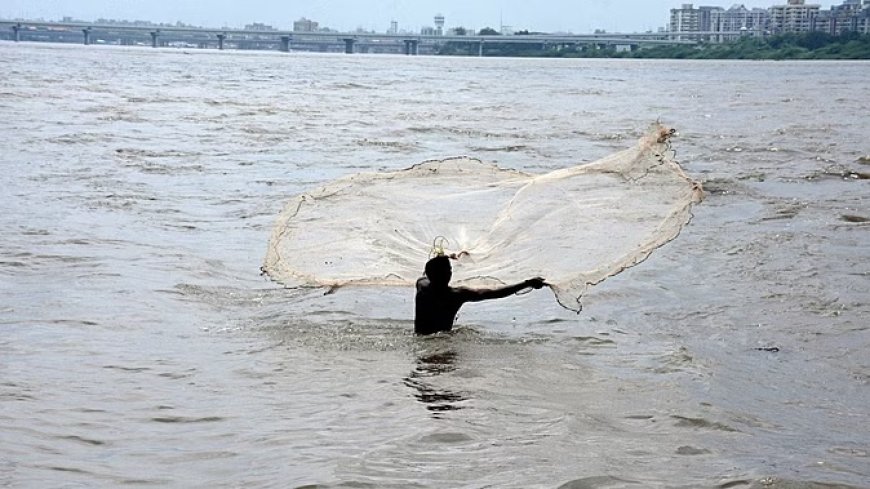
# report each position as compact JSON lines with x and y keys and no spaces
{"x":439,"y":25}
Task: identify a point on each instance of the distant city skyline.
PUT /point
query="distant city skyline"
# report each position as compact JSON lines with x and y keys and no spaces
{"x":376,"y":15}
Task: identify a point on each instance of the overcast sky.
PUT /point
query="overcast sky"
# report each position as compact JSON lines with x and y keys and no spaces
{"x":578,"y":16}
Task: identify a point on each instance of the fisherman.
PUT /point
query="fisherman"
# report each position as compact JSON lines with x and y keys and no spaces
{"x":437,"y":303}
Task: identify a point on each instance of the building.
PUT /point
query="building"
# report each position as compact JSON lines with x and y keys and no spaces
{"x":305,"y":25}
{"x":687,"y":19}
{"x":684,"y":19}
{"x":862,"y":25}
{"x":738,"y":21}
{"x":850,"y":16}
{"x":716,"y":24}
{"x":439,"y":25}
{"x":258,"y":26}
{"x":795,"y":16}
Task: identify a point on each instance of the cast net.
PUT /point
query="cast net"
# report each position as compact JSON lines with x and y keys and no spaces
{"x":574,"y":226}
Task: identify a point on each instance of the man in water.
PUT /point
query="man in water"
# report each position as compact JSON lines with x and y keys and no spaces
{"x":437,"y":303}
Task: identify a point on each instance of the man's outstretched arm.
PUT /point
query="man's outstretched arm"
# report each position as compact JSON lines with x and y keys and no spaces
{"x":476,"y":295}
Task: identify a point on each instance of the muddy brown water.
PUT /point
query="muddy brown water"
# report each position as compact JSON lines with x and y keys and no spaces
{"x":140,"y":345}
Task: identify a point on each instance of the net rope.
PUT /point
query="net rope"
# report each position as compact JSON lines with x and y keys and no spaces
{"x":574,"y":226}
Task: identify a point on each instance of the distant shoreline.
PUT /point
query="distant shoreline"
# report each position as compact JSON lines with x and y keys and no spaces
{"x":805,"y":46}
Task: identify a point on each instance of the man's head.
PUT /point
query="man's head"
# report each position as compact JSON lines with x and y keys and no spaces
{"x":439,"y":271}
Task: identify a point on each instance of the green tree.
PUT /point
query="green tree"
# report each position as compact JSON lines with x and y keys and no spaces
{"x":815,"y":40}
{"x":488,"y":31}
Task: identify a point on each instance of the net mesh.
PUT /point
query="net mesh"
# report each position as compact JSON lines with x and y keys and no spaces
{"x":574,"y":226}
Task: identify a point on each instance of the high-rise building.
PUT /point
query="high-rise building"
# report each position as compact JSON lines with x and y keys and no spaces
{"x":705,"y":17}
{"x":394,"y":27}
{"x":684,"y":19}
{"x":738,"y":21}
{"x":305,"y":25}
{"x":795,"y":16}
{"x":439,"y":25}
{"x":847,"y":16}
{"x":850,"y":16}
{"x":687,"y":20}
{"x":862,"y":25}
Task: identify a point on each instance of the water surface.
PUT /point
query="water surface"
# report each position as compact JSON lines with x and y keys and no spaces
{"x":140,"y":345}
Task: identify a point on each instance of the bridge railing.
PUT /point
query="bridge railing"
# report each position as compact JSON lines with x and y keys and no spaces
{"x":219,"y":37}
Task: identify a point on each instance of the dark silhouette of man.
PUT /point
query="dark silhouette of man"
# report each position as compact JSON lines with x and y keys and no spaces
{"x":437,"y":303}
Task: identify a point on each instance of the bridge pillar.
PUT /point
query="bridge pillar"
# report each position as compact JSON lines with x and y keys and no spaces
{"x":154,"y":36}
{"x":285,"y":43}
{"x":221,"y":38}
{"x":480,"y":48}
{"x":87,"y":33}
{"x":16,"y":30}
{"x":412,"y":47}
{"x":348,"y":45}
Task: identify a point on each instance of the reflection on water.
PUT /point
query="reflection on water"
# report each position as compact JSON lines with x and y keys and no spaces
{"x":436,"y":399}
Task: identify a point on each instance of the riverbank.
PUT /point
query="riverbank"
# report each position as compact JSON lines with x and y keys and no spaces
{"x":811,"y":45}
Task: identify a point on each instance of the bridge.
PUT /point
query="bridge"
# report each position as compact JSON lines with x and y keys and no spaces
{"x":349,"y":42}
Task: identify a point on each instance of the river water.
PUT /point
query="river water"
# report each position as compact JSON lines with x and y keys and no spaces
{"x":139,"y":344}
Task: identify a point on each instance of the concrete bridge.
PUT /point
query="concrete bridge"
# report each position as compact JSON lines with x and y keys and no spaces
{"x":410,"y":44}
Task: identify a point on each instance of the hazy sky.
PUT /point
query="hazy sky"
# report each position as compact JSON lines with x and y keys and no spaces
{"x":554,"y":15}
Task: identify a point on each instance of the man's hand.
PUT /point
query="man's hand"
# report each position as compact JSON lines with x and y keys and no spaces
{"x":535,"y":283}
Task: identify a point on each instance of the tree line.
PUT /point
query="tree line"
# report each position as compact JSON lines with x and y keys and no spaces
{"x":809,"y":45}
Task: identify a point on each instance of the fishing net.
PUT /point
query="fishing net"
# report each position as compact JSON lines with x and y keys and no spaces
{"x":574,"y":226}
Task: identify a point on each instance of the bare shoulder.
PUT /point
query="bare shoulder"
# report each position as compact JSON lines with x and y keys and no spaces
{"x":422,"y":283}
